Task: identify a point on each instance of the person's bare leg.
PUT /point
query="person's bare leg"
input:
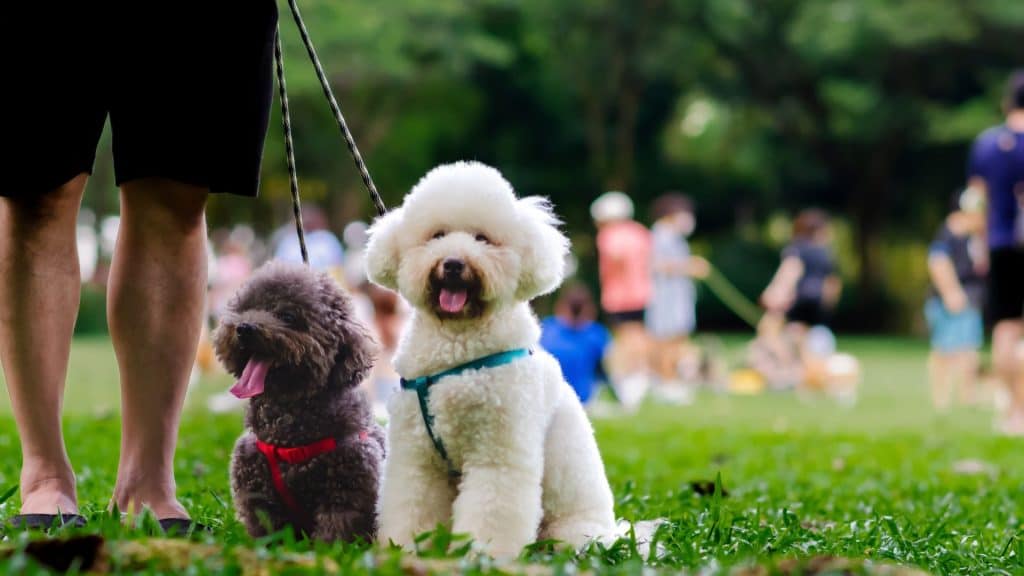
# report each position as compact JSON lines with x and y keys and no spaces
{"x":1006,"y":337}
{"x":933,"y":378}
{"x":967,"y":376}
{"x":39,"y":292}
{"x":666,"y":365}
{"x":1019,"y":384}
{"x":629,"y":362}
{"x":156,"y":295}
{"x":636,"y":347}
{"x":940,"y":377}
{"x":630,"y":354}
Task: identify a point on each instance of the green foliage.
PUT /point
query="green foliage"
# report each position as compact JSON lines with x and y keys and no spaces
{"x":909,"y":281}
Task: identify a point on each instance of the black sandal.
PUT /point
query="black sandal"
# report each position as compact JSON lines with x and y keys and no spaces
{"x":46,"y":521}
{"x":181,"y":526}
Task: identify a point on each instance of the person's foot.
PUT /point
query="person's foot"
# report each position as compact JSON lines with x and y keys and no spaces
{"x":45,"y":490}
{"x":133,"y":494}
{"x":631,"y":390}
{"x":675,"y":392}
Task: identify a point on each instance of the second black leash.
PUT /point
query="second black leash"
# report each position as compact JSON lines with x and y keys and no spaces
{"x":286,"y":125}
{"x":350,"y":141}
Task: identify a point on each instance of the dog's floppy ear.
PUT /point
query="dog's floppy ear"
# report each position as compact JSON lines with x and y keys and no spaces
{"x":382,"y":255}
{"x":356,"y":354}
{"x":544,"y":250}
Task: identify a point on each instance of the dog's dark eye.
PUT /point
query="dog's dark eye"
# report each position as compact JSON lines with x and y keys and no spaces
{"x":288,"y":318}
{"x":483,"y":238}
{"x":438,"y":234}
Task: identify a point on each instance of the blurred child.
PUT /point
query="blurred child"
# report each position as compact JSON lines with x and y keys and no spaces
{"x":387,"y":315}
{"x":575,"y":339}
{"x":233,"y":266}
{"x":671,"y":313}
{"x":953,"y":309}
{"x":623,"y":250}
{"x":806,"y":287}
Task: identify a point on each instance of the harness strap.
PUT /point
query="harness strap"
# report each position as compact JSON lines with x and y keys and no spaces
{"x":422,"y":386}
{"x":296,"y":455}
{"x":423,"y":394}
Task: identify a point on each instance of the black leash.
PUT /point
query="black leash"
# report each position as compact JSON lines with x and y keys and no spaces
{"x":286,"y":124}
{"x":289,"y":149}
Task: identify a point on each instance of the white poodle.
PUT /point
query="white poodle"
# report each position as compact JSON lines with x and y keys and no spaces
{"x":509,"y":456}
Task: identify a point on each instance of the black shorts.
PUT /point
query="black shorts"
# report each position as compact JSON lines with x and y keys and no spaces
{"x":617,"y":318}
{"x":1006,"y":284}
{"x":809,"y":312}
{"x":188,"y":86}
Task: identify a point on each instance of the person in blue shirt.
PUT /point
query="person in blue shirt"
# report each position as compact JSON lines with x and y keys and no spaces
{"x":996,"y":169}
{"x":576,"y":339}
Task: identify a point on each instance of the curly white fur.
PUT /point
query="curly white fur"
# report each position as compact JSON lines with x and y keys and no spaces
{"x":530,"y":465}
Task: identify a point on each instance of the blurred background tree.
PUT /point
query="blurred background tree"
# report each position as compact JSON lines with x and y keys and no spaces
{"x":756,"y":108}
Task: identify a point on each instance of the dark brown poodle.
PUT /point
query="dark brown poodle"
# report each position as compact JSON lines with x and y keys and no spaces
{"x":311,"y":454}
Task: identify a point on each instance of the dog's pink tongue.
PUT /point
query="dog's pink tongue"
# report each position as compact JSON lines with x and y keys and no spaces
{"x":452,"y":301}
{"x":253,"y":380}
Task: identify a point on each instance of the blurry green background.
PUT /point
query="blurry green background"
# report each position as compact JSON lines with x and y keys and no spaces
{"x":755,"y":108}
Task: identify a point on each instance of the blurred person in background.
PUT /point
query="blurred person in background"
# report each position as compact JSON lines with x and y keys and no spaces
{"x":806,"y":287}
{"x":953,"y":308}
{"x":624,"y":255}
{"x":575,"y":338}
{"x":189,"y":122}
{"x":325,"y":250}
{"x":234,"y":265}
{"x":806,"y":290}
{"x":671,"y":314}
{"x":996,"y":169}
{"x":355,"y":237}
{"x":381,"y":310}
{"x":386,"y":316}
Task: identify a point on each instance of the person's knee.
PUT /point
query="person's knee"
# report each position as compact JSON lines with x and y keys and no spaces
{"x":1008,"y":331}
{"x":164,"y":206}
{"x":37,"y":209}
{"x":1006,"y":339}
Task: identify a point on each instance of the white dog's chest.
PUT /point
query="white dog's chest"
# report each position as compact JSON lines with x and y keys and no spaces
{"x":479,"y":411}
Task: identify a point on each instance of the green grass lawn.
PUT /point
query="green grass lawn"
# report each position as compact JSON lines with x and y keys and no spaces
{"x":886,"y":480}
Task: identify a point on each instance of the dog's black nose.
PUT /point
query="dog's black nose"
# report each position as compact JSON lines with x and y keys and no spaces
{"x":245,"y":329}
{"x":453,"y":267}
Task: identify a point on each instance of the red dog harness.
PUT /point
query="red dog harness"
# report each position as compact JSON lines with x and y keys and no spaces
{"x":295,"y":455}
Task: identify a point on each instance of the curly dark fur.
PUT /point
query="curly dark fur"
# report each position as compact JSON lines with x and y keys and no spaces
{"x":304,"y":325}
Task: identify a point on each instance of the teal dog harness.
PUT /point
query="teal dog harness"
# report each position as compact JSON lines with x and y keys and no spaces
{"x":422,"y":386}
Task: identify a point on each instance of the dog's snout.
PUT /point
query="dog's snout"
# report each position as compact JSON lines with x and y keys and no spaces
{"x":453,"y":267}
{"x":245,"y":329}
